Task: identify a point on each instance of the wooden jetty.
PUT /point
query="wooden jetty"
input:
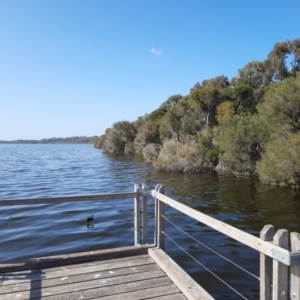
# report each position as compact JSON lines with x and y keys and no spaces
{"x":145,"y":271}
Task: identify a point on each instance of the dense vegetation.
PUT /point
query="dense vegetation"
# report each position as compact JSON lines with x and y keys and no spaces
{"x":67,"y":140}
{"x":249,"y":125}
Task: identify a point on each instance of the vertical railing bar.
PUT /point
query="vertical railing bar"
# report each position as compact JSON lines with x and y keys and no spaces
{"x":161,"y":221}
{"x":295,"y":270}
{"x":266,"y":265}
{"x":145,"y":214}
{"x":136,"y":217}
{"x":156,"y":201}
{"x":280,"y":271}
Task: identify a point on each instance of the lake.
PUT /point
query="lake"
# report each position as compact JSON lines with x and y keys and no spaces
{"x":55,"y":170}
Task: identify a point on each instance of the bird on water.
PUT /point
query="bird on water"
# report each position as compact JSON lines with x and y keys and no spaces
{"x":90,"y":219}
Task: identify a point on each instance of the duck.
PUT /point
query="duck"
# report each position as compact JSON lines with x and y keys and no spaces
{"x":90,"y":219}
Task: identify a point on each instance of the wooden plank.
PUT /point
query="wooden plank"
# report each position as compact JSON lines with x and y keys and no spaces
{"x":71,"y":279}
{"x":71,"y":198}
{"x":295,"y":270}
{"x":78,"y":265}
{"x":161,"y":221}
{"x":161,"y":292}
{"x":109,"y":285}
{"x":280,"y":271}
{"x":177,"y":296}
{"x":190,"y":288}
{"x":266,"y":265}
{"x":237,"y":234}
{"x":59,"y":260}
{"x":50,"y":278}
{"x":156,"y":202}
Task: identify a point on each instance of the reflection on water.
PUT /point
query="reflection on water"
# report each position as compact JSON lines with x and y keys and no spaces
{"x":52,"y":170}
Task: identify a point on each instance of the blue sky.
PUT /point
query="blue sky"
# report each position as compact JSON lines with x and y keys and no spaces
{"x":74,"y":67}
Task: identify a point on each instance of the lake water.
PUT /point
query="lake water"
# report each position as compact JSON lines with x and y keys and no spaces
{"x":54,"y":170}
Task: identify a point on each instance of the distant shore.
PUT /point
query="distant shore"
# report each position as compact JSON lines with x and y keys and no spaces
{"x":67,"y":140}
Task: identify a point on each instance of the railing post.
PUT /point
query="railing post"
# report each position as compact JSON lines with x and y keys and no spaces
{"x":156,"y":201}
{"x":145,"y":214}
{"x":295,"y":270}
{"x":280,"y":271}
{"x":266,"y":265}
{"x":161,"y":221}
{"x":136,"y":217}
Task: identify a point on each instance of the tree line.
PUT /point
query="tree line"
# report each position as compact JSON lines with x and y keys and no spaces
{"x":249,"y":125}
{"x":55,"y":140}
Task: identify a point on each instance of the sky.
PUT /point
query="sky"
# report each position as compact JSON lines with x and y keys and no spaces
{"x":74,"y":67}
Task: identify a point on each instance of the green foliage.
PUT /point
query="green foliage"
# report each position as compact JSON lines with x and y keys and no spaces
{"x":225,"y":111}
{"x":241,"y":141}
{"x":204,"y":101}
{"x":157,"y":114}
{"x":281,"y":106}
{"x":148,"y":133}
{"x":253,"y":75}
{"x":99,"y":141}
{"x":171,"y":101}
{"x":178,"y":157}
{"x":244,"y":99}
{"x":170,"y":125}
{"x":219,"y":82}
{"x":207,"y":149}
{"x":280,"y":163}
{"x":118,"y":136}
{"x":232,"y":123}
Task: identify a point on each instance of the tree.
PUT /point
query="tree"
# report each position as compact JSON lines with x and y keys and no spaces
{"x":281,"y":105}
{"x":253,"y":75}
{"x":280,"y":163}
{"x":218,"y":82}
{"x":148,"y":133}
{"x":277,"y":67}
{"x":204,"y":101}
{"x":241,"y":141}
{"x":225,"y":111}
{"x":122,"y":133}
{"x":170,"y":125}
{"x":171,"y":101}
{"x":244,"y":99}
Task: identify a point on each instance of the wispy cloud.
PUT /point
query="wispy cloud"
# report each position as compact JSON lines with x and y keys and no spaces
{"x":155,"y":51}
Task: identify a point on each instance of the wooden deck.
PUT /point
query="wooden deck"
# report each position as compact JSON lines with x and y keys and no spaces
{"x":125,"y":273}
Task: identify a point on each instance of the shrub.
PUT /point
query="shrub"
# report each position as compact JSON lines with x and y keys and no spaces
{"x":151,"y":152}
{"x":280,"y":163}
{"x":177,"y":157}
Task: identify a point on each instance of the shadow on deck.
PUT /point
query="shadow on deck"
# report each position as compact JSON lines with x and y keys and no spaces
{"x":122,"y":273}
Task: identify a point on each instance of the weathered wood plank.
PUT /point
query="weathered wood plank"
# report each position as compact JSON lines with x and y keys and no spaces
{"x":59,"y":260}
{"x":161,"y":221}
{"x":280,"y":271}
{"x":71,"y":198}
{"x":266,"y":265}
{"x":66,"y":276}
{"x":191,"y":289}
{"x":161,"y":292}
{"x":177,"y":296}
{"x":78,"y":265}
{"x":110,"y":284}
{"x":295,"y":270}
{"x":237,"y":234}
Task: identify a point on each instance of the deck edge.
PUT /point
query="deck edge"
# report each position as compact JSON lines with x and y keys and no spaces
{"x":188,"y":286}
{"x":73,"y":258}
